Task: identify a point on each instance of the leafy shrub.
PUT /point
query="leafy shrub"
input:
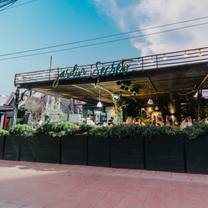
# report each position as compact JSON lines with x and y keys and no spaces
{"x":135,"y":131}
{"x":83,"y":128}
{"x":126,"y":131}
{"x":196,"y":131}
{"x":22,"y":130}
{"x":100,"y":132}
{"x":59,"y":129}
{"x":170,"y":130}
{"x":3,"y":132}
{"x":151,"y":131}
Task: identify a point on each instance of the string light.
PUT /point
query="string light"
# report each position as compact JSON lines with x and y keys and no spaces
{"x":185,"y":54}
{"x":200,"y":52}
{"x":20,"y":78}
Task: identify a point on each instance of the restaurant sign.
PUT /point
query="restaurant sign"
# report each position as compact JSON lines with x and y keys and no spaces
{"x":98,"y":70}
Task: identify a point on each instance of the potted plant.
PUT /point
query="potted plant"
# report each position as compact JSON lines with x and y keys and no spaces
{"x":3,"y":134}
{"x":196,"y":148}
{"x":98,"y":147}
{"x":164,"y":148}
{"x":48,"y":141}
{"x":74,"y":145}
{"x":19,"y":144}
{"x":126,"y":146}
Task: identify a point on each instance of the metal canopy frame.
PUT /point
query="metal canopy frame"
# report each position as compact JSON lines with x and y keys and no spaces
{"x":181,"y":72}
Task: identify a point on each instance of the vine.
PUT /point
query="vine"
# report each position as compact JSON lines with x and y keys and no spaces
{"x":118,"y":109}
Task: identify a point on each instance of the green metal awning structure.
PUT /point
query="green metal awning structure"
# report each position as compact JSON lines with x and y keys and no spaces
{"x":179,"y":72}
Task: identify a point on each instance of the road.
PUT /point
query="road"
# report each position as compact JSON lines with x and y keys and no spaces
{"x":38,"y":185}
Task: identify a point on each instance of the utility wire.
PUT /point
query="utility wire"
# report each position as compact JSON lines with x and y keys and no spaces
{"x":104,"y":37}
{"x":22,"y":4}
{"x":5,"y":5}
{"x":107,"y":42}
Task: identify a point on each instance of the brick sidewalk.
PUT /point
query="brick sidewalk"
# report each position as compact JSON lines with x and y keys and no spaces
{"x":36,"y":185}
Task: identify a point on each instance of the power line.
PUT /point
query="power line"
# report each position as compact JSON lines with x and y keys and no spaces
{"x":6,"y":4}
{"x":103,"y":37}
{"x":22,"y":4}
{"x":107,"y":42}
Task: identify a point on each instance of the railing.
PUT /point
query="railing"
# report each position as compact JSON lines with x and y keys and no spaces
{"x":157,"y":61}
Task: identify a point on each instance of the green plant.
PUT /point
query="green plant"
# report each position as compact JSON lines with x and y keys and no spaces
{"x":151,"y":131}
{"x":58,"y":129}
{"x":22,"y":130}
{"x":196,"y":131}
{"x":83,"y":128}
{"x":3,"y":132}
{"x":125,"y":131}
{"x":20,"y":121}
{"x":117,"y":101}
{"x":100,"y":132}
{"x":170,"y":130}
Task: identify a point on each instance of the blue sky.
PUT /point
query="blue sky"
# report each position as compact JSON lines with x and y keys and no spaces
{"x":49,"y":22}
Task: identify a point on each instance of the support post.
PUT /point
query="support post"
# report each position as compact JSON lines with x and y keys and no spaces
{"x":17,"y":96}
{"x":198,"y":105}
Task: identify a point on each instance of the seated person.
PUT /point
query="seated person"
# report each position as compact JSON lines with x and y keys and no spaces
{"x":187,"y":122}
{"x":139,"y":122}
{"x":90,"y":120}
{"x":110,"y":121}
{"x":129,"y":120}
{"x":160,"y":121}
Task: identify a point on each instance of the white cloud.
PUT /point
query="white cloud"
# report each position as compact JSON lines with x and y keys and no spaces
{"x":131,"y":14}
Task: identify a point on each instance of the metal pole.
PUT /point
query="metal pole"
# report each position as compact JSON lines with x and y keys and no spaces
{"x":48,"y":98}
{"x":51,"y":59}
{"x":17,"y":95}
{"x":198,"y":105}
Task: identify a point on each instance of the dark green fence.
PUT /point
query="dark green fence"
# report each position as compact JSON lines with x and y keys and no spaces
{"x":174,"y":153}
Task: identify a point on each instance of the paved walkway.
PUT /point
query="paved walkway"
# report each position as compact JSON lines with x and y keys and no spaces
{"x":36,"y":185}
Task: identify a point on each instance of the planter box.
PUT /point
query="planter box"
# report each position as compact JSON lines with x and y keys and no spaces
{"x":74,"y":150}
{"x":47,"y":149}
{"x":197,"y":155}
{"x":165,"y":153}
{"x":98,"y":151}
{"x":27,"y":152}
{"x":127,"y":153}
{"x":12,"y":148}
{"x":2,"y":146}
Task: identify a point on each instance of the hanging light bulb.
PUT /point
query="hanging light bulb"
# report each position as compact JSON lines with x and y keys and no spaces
{"x":150,"y":102}
{"x":157,"y":108}
{"x":99,"y":104}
